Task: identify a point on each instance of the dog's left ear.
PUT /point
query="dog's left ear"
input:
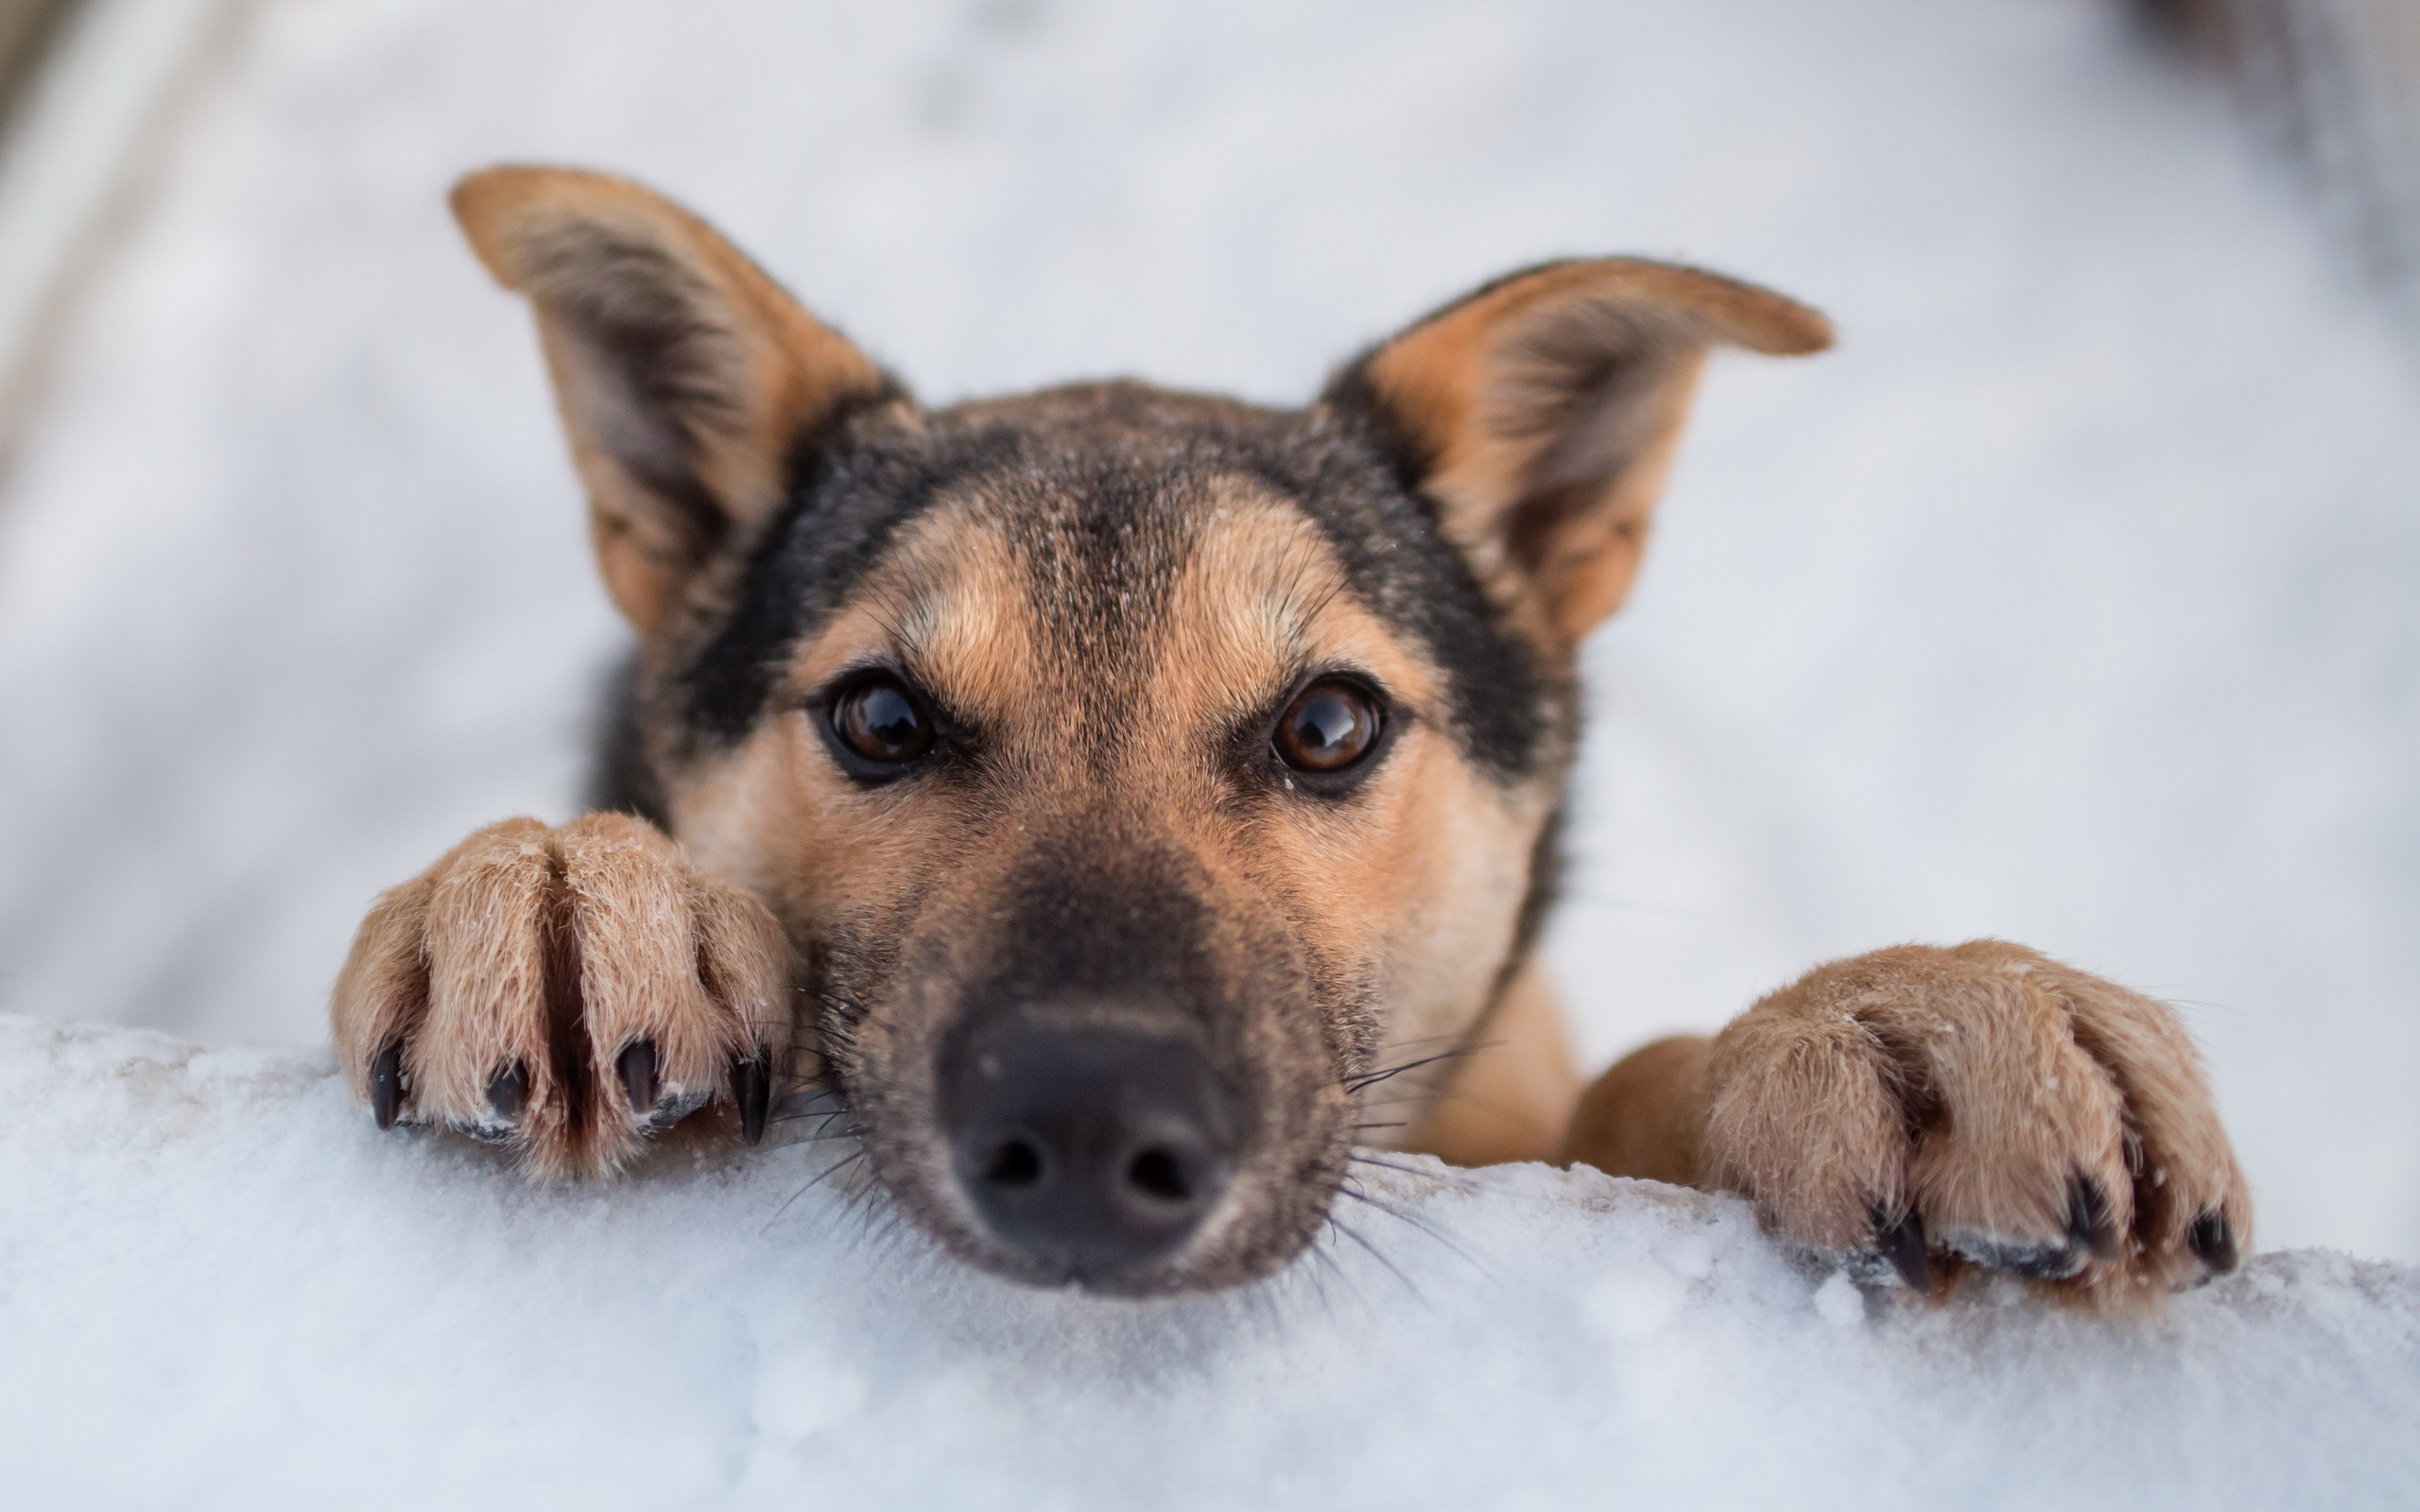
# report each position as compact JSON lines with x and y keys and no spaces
{"x":688,"y":379}
{"x":1540,"y":415}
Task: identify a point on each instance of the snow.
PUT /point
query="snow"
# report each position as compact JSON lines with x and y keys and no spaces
{"x":2069,"y":601}
{"x":221,"y":1286}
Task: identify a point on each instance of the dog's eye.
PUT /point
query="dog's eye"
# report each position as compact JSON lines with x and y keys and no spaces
{"x":1328,"y":727}
{"x":883,"y":722}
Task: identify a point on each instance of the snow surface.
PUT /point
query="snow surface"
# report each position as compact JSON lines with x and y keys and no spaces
{"x":2070,"y":600}
{"x":219,"y":1286}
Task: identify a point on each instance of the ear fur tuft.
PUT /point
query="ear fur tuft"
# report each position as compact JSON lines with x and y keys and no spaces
{"x":683,"y":374}
{"x":1541,"y":412}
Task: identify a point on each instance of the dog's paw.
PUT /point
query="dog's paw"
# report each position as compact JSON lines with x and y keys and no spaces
{"x":1923,"y":1109}
{"x":568,"y":991}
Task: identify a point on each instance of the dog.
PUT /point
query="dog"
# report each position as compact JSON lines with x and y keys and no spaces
{"x":1110,"y":807}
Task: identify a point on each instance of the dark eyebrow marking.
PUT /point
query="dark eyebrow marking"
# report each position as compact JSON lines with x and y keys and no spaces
{"x":1089,"y":479}
{"x":847,"y":503}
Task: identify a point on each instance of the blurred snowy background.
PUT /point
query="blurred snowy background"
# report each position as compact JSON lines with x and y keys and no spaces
{"x":2072,"y":600}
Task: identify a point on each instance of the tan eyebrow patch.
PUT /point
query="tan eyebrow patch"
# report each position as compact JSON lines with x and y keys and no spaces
{"x":1263,"y":598}
{"x":953,"y":603}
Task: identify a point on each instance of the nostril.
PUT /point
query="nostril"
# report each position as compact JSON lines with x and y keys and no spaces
{"x":1158,"y":1173}
{"x":1084,"y":1155}
{"x":1014,"y":1164}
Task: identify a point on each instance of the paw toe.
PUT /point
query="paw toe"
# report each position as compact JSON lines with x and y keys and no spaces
{"x":752,"y":1086}
{"x":386,"y":1084}
{"x":2090,"y":1236}
{"x":507,"y":1105}
{"x":2212,"y":1239}
{"x":637,"y":1067}
{"x":1900,"y":1241}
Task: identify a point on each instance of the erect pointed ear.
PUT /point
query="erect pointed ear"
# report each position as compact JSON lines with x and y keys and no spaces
{"x":1540,"y":415}
{"x":687,"y":378}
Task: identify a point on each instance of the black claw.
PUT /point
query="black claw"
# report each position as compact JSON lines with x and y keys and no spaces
{"x":637,"y":1065}
{"x":509,"y":1091}
{"x":1902,"y":1242}
{"x":2213,"y":1240}
{"x":386,"y":1084}
{"x":2089,"y":1226}
{"x":751,"y":1085}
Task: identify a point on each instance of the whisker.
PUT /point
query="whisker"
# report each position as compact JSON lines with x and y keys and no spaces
{"x":1348,"y":1188}
{"x":1399,"y":1045}
{"x":1390,"y":1165}
{"x":1407,"y":1100}
{"x":792,"y":1109}
{"x":827,"y":1114}
{"x":1355,"y":1084}
{"x":1349,"y":1232}
{"x":817,"y":1180}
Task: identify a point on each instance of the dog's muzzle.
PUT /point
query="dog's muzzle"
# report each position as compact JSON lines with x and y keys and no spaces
{"x":1096,"y":1152}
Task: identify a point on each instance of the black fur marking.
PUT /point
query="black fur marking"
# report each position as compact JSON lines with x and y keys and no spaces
{"x":1096,"y":484}
{"x":1406,"y":456}
{"x":1547,"y":864}
{"x":847,"y":502}
{"x":1131,"y":940}
{"x":621,"y":779}
{"x":1408,"y":576}
{"x":1075,"y":930}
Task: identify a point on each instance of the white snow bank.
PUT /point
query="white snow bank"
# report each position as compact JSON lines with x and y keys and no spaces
{"x":2069,"y":600}
{"x":219,"y":1286}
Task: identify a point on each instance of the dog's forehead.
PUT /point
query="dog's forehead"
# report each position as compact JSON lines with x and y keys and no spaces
{"x":1191,"y":607}
{"x":1082,"y":526}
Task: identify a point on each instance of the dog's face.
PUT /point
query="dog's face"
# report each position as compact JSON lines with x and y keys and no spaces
{"x":1130,"y":769}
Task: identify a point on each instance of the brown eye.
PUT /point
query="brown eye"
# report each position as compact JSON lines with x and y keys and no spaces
{"x":1327,"y":728}
{"x":881,"y":721}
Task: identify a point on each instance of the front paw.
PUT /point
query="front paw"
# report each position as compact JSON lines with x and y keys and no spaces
{"x":566,"y":991}
{"x":1980,"y":1105}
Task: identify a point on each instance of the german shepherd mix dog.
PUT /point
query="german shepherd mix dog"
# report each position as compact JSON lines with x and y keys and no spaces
{"x":1088,"y":796}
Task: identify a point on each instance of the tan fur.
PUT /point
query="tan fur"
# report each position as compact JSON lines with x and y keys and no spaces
{"x":466,"y":964}
{"x":1559,"y":527}
{"x":1971,"y":1084}
{"x":1391,"y":883}
{"x":1646,"y":1116}
{"x":1975,"y":1091}
{"x":777,"y":819}
{"x":775,"y":371}
{"x":1511,"y":1097}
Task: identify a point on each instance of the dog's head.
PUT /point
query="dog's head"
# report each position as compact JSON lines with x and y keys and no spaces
{"x":1130,"y":767}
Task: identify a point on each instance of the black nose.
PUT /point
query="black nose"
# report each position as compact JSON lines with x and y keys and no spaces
{"x":1094,"y":1151}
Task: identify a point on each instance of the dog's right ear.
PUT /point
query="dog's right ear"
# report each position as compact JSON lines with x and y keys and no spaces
{"x":688,"y":379}
{"x":1538,"y":415}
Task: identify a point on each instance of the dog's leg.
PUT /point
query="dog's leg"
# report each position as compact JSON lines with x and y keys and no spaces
{"x":1933,"y":1107}
{"x":568,"y":991}
{"x":1646,"y":1117}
